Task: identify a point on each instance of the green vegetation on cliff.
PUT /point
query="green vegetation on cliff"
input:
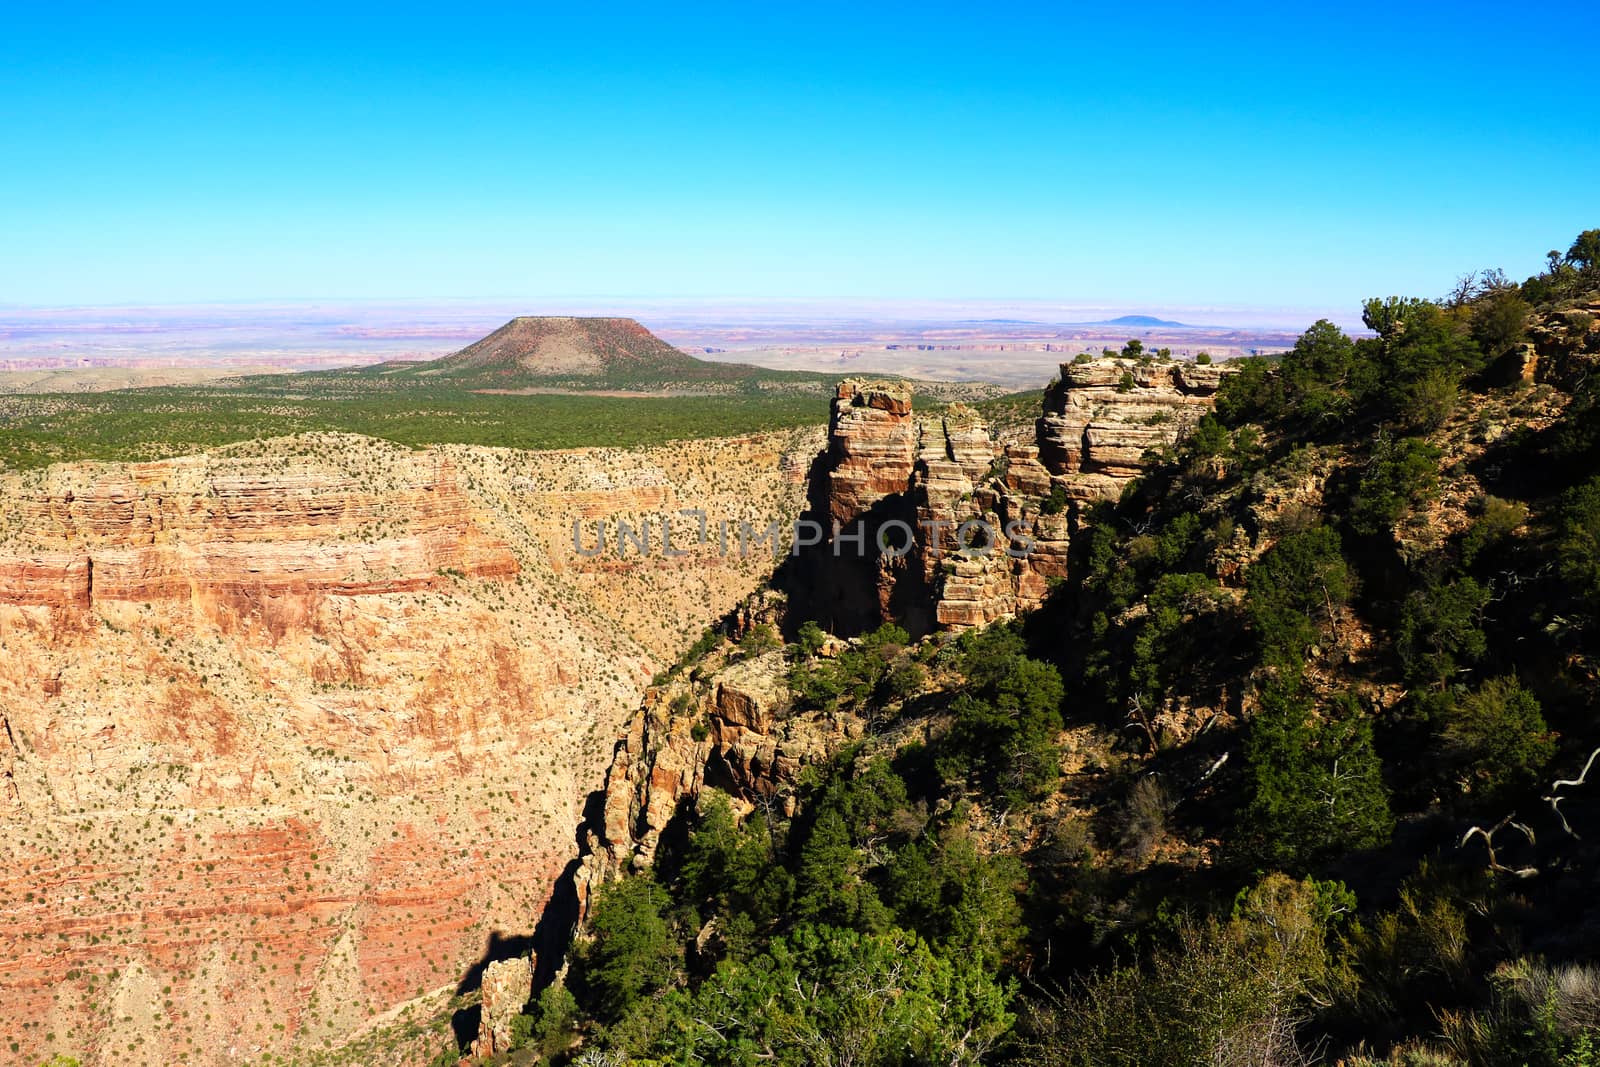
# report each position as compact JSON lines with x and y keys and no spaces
{"x":1271,"y":779}
{"x":873,"y":926}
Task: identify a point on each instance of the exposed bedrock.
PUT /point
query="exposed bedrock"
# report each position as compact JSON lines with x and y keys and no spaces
{"x":932,"y":523}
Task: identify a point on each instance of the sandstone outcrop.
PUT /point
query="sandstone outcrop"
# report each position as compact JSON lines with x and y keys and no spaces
{"x":958,"y":530}
{"x":1563,"y":346}
{"x":1103,"y":415}
{"x":504,"y":990}
{"x":729,"y":725}
{"x":872,"y":446}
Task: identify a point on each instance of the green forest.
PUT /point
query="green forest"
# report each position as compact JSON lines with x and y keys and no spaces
{"x":144,"y":424}
{"x":157,"y":422}
{"x":1292,"y":769}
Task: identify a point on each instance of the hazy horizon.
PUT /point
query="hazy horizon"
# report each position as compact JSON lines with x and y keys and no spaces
{"x":1017,"y":343}
{"x":805,"y":309}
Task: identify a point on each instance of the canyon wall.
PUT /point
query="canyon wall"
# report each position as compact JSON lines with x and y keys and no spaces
{"x":297,"y":731}
{"x":290,"y":731}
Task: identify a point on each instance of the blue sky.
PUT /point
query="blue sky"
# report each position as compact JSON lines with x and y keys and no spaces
{"x":1166,"y":157}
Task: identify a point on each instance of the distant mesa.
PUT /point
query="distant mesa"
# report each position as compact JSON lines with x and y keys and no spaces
{"x":1123,"y":320}
{"x":566,"y":352}
{"x":1004,"y":322}
{"x":1139,"y":320}
{"x":562,"y":346}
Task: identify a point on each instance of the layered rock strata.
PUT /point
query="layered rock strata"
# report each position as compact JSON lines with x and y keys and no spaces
{"x":1103,"y":416}
{"x":294,"y":732}
{"x":93,"y":535}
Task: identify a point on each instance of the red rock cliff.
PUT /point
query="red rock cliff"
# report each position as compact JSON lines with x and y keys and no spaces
{"x":288,"y":732}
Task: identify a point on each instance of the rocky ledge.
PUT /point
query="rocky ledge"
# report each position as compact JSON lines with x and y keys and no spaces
{"x":232,"y":532}
{"x":729,"y":725}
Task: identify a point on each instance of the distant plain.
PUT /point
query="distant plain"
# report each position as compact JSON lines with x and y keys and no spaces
{"x":146,"y":383}
{"x":1017,"y":346}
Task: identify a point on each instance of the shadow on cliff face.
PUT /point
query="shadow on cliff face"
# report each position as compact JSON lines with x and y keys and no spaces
{"x":500,"y":947}
{"x":551,"y":937}
{"x":848,"y":588}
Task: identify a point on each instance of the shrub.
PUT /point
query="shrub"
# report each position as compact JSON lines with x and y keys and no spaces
{"x":859,"y":675}
{"x":905,"y":679}
{"x":1298,"y":585}
{"x":632,"y":952}
{"x":727,"y":868}
{"x":551,"y":1027}
{"x":1145,"y":818}
{"x":811,"y":638}
{"x":1229,"y":992}
{"x":1413,"y":956}
{"x":1500,"y":320}
{"x":759,"y":639}
{"x":1056,"y":502}
{"x":1177,"y":632}
{"x":1247,"y":393}
{"x":1539,"y":1017}
{"x":1430,"y":401}
{"x":1315,"y":785}
{"x":1006,"y":721}
{"x":1585,"y":251}
{"x":1401,"y":475}
{"x":1498,"y":740}
{"x":826,"y":995}
{"x":956,"y":896}
{"x":1316,"y":377}
{"x":1580,"y":538}
{"x":1440,"y":630}
{"x":1495,"y":523}
{"x":1208,"y":439}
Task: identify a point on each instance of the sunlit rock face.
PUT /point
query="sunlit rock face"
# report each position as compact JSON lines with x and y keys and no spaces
{"x":290,"y":730}
{"x":872,"y":446}
{"x":1102,"y":416}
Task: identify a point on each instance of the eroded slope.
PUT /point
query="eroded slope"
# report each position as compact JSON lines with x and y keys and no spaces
{"x":290,"y":730}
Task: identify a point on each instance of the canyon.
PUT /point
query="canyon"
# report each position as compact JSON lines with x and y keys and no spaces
{"x":296,"y":733}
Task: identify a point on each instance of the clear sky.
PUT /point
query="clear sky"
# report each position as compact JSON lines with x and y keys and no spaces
{"x":1160,"y":155}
